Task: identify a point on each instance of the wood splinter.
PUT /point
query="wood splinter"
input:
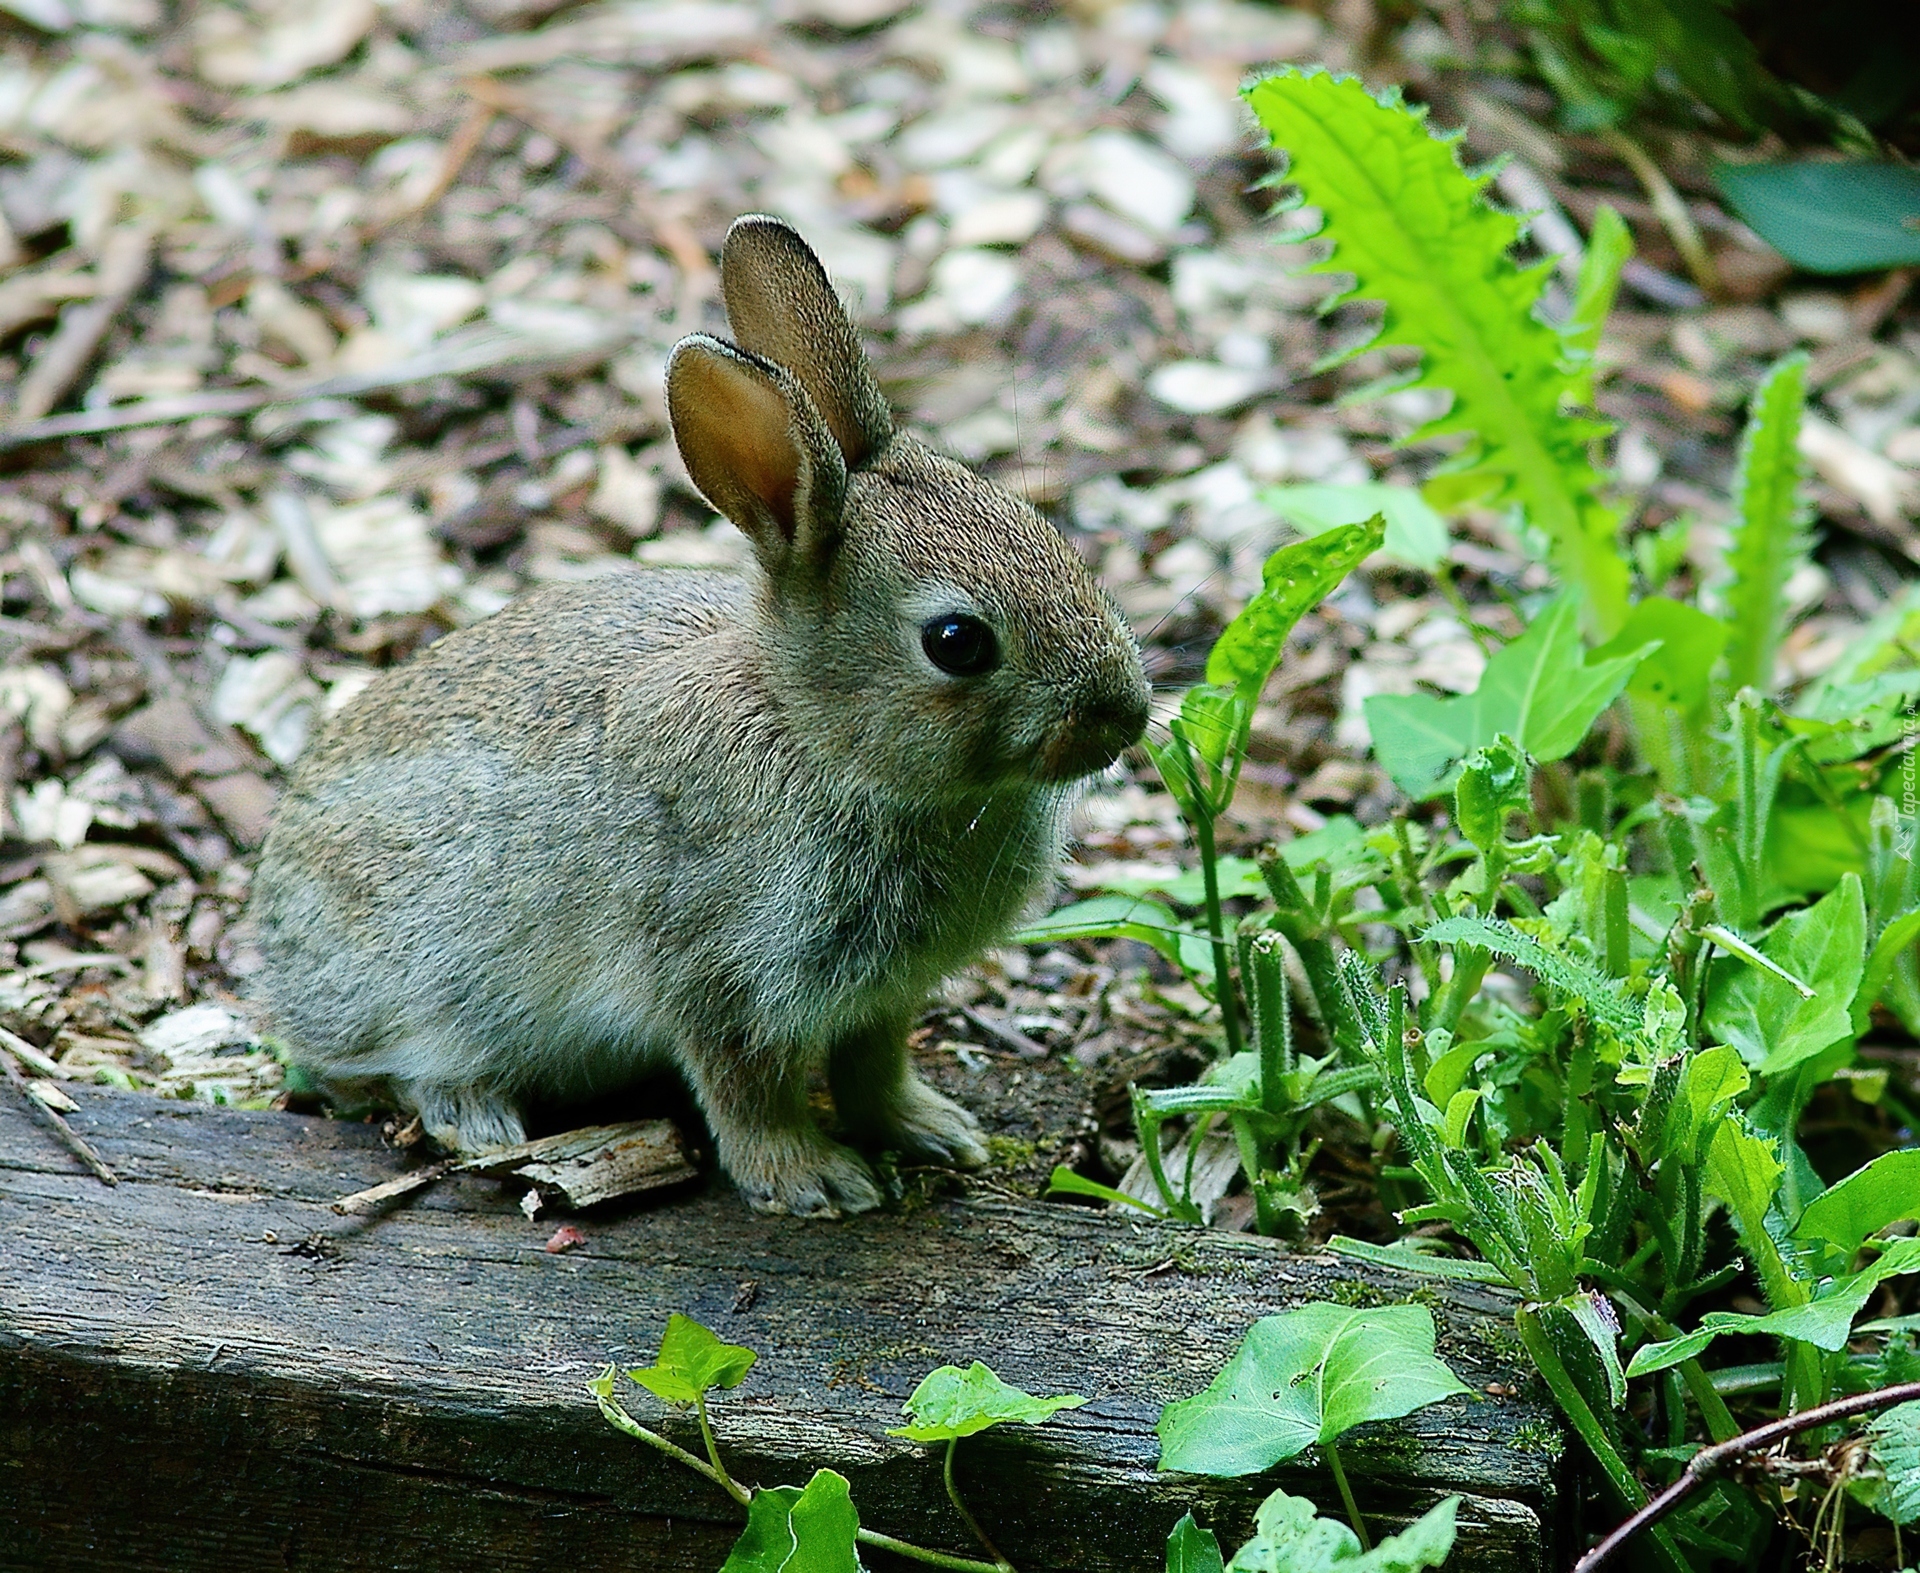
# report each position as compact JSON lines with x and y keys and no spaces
{"x":575,"y":1169}
{"x":43,"y":1107}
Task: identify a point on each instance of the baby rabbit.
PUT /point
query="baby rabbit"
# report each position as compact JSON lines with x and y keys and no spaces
{"x":736,"y":823}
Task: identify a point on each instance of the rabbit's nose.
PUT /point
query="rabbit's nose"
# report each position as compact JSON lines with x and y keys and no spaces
{"x":1097,"y":731}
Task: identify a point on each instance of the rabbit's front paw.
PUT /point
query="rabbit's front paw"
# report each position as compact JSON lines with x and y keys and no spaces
{"x":809,"y":1177}
{"x":466,"y":1120}
{"x":925,"y":1124}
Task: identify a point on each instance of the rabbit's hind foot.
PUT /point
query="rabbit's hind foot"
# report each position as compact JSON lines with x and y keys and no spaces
{"x":466,"y":1120}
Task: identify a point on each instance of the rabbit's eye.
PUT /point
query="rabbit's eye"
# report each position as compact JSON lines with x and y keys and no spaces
{"x":961,"y":646}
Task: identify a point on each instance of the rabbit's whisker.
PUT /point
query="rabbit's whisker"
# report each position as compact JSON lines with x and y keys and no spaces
{"x":1187,"y":595}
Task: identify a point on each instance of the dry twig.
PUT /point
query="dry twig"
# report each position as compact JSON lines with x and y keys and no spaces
{"x":69,"y":1138}
{"x":124,"y":264}
{"x":472,"y":352}
{"x":1713,"y":1461}
{"x":1670,"y":209}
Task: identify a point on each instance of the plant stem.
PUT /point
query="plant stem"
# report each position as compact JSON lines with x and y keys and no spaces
{"x":1573,"y":1405}
{"x":1147,"y":1127}
{"x":938,"y":1559}
{"x":1470,"y":968}
{"x":1721,"y":1425}
{"x":1346,"y":1495}
{"x":1216,"y":926}
{"x":1001,"y":1564}
{"x":623,"y":1422}
{"x":713,"y":1451}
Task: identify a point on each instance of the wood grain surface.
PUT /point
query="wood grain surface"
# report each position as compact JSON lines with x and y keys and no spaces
{"x":204,"y":1368}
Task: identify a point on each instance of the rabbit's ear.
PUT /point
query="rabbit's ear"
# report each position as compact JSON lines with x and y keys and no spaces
{"x":757,"y":449}
{"x":781,"y":306}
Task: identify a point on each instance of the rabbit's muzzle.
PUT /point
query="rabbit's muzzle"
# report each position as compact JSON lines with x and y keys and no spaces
{"x":1094,"y":733}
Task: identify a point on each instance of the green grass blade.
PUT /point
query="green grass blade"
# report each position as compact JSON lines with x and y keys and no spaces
{"x":1770,"y":533}
{"x":1411,"y":227}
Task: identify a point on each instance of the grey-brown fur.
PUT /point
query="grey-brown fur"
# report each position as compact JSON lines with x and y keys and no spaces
{"x":736,"y":823}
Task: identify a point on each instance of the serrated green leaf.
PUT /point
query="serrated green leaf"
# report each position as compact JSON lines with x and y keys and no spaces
{"x":1894,"y":1437}
{"x":795,"y":1530}
{"x":1214,"y":722}
{"x":1304,"y":1377}
{"x":1412,"y":228}
{"x":1595,"y":1318}
{"x":952,"y":1403}
{"x":1539,"y":690}
{"x":692,"y":1360}
{"x":1609,"y":246}
{"x":1191,"y":1549}
{"x":1494,"y":783}
{"x":1599,"y":993}
{"x":1416,"y":534}
{"x":1295,"y":580}
{"x":1460,"y":1109}
{"x":1289,"y":1536}
{"x":1744,"y":1171}
{"x":1769,"y":538}
{"x":1709,"y":1084}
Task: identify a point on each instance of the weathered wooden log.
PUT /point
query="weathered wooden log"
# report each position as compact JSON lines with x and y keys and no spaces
{"x":205,"y":1368}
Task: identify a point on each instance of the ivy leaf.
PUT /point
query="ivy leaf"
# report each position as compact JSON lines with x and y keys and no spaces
{"x":1304,"y":1377}
{"x":1769,"y":539}
{"x":1289,"y":1536}
{"x":951,"y":1403}
{"x":1847,"y":217}
{"x":1412,"y":228}
{"x":1187,"y":887}
{"x":795,"y":1530}
{"x":1679,"y":672}
{"x":692,"y":1360}
{"x":1540,"y":690}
